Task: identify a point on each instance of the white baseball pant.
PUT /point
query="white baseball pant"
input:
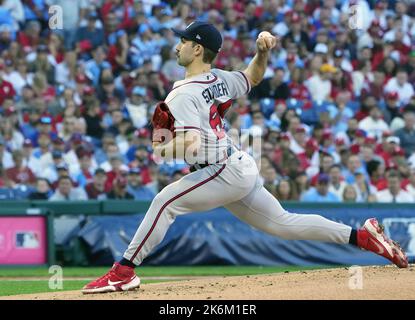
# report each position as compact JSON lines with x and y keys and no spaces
{"x":235,"y":185}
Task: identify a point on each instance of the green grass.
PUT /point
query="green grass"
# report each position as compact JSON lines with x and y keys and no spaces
{"x":8,"y":288}
{"x":13,"y":287}
{"x":155,"y":271}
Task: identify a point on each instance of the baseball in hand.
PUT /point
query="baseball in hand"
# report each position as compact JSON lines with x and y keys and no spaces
{"x":266,"y":41}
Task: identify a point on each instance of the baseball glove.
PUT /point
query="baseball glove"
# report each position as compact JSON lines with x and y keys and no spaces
{"x":162,"y":120}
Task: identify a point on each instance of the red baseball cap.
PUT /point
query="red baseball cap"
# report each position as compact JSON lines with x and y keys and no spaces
{"x":355,"y":148}
{"x":326,"y":134}
{"x":9,"y":111}
{"x":81,"y":78}
{"x":291,"y":57}
{"x":386,"y":134}
{"x":370,"y":141}
{"x":393,"y":95}
{"x":88,"y":90}
{"x":85,"y":45}
{"x":295,"y":17}
{"x":142,"y":133}
{"x":339,"y":142}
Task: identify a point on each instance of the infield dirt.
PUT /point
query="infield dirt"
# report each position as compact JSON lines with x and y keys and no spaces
{"x":385,"y":282}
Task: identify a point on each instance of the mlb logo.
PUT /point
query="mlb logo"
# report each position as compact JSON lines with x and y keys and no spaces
{"x":27,"y":240}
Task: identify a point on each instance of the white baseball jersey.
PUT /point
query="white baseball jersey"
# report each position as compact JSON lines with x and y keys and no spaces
{"x":200,"y":102}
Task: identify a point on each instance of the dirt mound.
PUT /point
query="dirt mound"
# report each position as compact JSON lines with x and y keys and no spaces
{"x":341,"y":283}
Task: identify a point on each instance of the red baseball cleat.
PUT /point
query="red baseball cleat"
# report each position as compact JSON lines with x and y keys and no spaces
{"x":119,"y":278}
{"x":372,"y":238}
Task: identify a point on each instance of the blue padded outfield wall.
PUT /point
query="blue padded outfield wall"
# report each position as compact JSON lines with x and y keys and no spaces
{"x":218,"y":238}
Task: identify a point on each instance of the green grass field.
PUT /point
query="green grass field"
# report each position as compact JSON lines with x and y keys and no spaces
{"x":35,"y":280}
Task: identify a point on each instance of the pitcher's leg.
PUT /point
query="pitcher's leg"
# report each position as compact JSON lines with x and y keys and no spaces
{"x":199,"y":191}
{"x":152,"y":229}
{"x":261,"y":210}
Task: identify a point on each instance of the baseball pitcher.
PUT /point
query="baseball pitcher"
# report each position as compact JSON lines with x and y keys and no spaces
{"x":188,"y":125}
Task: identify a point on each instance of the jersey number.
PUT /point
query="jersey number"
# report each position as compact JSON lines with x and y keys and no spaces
{"x":216,"y":122}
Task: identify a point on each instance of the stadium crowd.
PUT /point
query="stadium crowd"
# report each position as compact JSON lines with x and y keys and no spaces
{"x":333,"y":119}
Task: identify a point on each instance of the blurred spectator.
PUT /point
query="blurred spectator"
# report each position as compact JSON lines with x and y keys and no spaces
{"x":325,"y":162}
{"x":394,"y":193}
{"x":299,"y":140}
{"x":354,"y":166}
{"x":42,"y":65}
{"x":270,"y":176}
{"x":67,"y":192}
{"x":321,"y":192}
{"x":20,"y":77}
{"x":28,"y":159}
{"x":392,"y":109}
{"x":400,"y":85}
{"x":65,"y":71}
{"x":274,"y":87}
{"x":319,"y":85}
{"x":119,"y":190}
{"x":373,"y":124}
{"x":20,"y":173}
{"x":137,"y":107}
{"x":93,"y":120}
{"x":85,"y":175}
{"x":171,"y":70}
{"x":340,"y":113}
{"x":73,"y":13}
{"x":51,"y":170}
{"x":337,"y":184}
{"x":376,"y":172}
{"x":286,"y":190}
{"x":118,"y":52}
{"x":6,"y":88}
{"x":363,"y":187}
{"x":349,"y":194}
{"x":5,"y":156}
{"x":90,"y":35}
{"x":98,"y":63}
{"x":411,"y":186}
{"x":97,"y":188}
{"x":136,"y":188}
{"x":43,"y":190}
{"x":406,"y":134}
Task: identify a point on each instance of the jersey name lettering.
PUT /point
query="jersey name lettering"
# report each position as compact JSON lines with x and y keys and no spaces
{"x":215,"y":91}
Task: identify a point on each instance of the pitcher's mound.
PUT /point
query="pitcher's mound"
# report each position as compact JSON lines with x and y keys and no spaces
{"x":386,"y":282}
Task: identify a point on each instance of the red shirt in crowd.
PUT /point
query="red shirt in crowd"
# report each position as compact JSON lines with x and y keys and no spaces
{"x":23,"y":175}
{"x":298,"y":91}
{"x":6,"y":91}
